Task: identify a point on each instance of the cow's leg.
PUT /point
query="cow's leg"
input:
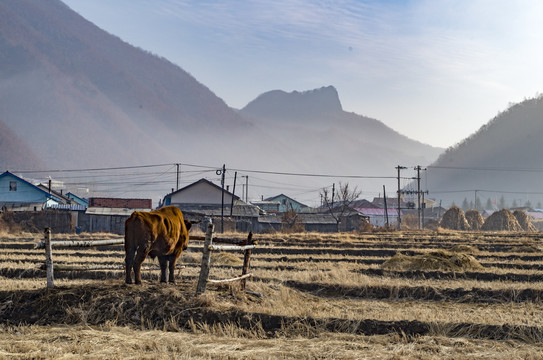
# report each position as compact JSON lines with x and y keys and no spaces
{"x":129,"y":263}
{"x":163,"y":261}
{"x":173,"y":261}
{"x":140,"y":256}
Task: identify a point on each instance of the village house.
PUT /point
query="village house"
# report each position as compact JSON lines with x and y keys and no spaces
{"x":204,"y":199}
{"x":18,"y":194}
{"x":287,"y":203}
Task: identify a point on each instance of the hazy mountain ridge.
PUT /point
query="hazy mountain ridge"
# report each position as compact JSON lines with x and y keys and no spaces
{"x":503,"y":156}
{"x":319,"y":113}
{"x":80,"y":97}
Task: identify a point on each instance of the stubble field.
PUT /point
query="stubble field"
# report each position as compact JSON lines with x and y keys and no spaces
{"x":321,"y":296}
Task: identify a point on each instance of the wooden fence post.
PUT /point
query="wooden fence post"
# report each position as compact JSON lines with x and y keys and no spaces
{"x":49,"y":259}
{"x":206,"y":260}
{"x":246,"y":260}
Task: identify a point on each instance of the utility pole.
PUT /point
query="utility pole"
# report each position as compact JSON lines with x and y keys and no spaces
{"x":386,"y":208}
{"x":399,"y":168}
{"x":333,"y":194}
{"x":177,"y":187}
{"x":246,"y":188}
{"x":233,"y":193}
{"x":419,"y":193}
{"x":219,"y":172}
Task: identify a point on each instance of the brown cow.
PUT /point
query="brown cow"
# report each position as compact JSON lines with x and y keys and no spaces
{"x":163,"y":233}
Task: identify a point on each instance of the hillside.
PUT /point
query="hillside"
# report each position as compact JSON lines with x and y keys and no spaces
{"x":14,"y":154}
{"x":65,"y":79}
{"x":503,"y":158}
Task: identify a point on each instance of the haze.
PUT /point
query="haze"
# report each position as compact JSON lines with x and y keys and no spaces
{"x":433,"y":70}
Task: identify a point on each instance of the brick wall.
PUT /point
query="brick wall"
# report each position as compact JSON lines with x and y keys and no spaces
{"x":120,"y":203}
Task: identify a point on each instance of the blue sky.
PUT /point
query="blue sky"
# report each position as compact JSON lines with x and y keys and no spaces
{"x":434,"y":70}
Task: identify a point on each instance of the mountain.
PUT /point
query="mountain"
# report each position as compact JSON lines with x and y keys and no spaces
{"x":65,"y":79}
{"x":314,"y":122}
{"x":78,"y":97}
{"x":14,"y":153}
{"x":503,"y":158}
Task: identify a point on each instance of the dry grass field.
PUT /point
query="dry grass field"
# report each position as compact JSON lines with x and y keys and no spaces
{"x":323,"y":296}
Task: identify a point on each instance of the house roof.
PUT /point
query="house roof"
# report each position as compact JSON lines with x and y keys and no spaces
{"x":204,"y":181}
{"x":7,"y":173}
{"x":304,"y":218}
{"x":74,"y":196}
{"x":111,"y":211}
{"x":274,"y":198}
{"x":237,"y":211}
{"x":55,"y":194}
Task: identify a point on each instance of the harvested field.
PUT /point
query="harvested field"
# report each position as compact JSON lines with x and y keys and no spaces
{"x":470,"y":295}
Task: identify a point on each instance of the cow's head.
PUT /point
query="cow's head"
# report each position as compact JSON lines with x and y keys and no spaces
{"x":188,"y":223}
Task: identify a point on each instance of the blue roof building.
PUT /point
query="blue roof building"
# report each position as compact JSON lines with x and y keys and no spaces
{"x":287,"y":203}
{"x":18,"y":194}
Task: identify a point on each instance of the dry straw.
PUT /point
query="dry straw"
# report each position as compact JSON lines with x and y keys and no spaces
{"x":475,"y":219}
{"x":435,"y":260}
{"x":454,"y":219}
{"x":524,"y":220}
{"x":502,"y":220}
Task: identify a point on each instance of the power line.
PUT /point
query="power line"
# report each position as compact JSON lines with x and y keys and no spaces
{"x":484,"y":168}
{"x":90,"y":169}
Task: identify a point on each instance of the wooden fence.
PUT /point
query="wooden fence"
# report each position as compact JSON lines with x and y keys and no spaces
{"x":234,"y":245}
{"x":209,"y":247}
{"x":48,"y":244}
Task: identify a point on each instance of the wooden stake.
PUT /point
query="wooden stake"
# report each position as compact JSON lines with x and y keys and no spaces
{"x":246,"y":261}
{"x":206,"y":261}
{"x":49,"y":259}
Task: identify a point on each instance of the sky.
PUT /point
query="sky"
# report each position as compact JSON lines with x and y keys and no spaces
{"x":433,"y":70}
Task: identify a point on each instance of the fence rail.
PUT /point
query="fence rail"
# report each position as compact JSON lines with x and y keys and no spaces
{"x":246,"y":246}
{"x":80,"y":243}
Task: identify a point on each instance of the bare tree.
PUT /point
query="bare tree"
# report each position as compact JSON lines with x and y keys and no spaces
{"x":291,"y":221}
{"x":339,"y":203}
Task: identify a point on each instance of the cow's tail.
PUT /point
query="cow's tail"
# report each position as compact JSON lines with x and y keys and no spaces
{"x":132,"y":227}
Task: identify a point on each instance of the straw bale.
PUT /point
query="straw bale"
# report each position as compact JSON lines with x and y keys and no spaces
{"x":524,"y":220}
{"x":475,"y":219}
{"x":454,"y":219}
{"x":435,"y":260}
{"x":466,"y":249}
{"x":502,"y":220}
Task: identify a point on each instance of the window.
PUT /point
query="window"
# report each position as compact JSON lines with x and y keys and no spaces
{"x":13,"y":186}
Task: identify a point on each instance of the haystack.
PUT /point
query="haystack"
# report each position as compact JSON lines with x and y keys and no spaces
{"x":454,"y":219}
{"x":435,"y":260}
{"x":475,"y":219}
{"x":524,"y":220}
{"x":466,"y":249}
{"x":502,"y":220}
